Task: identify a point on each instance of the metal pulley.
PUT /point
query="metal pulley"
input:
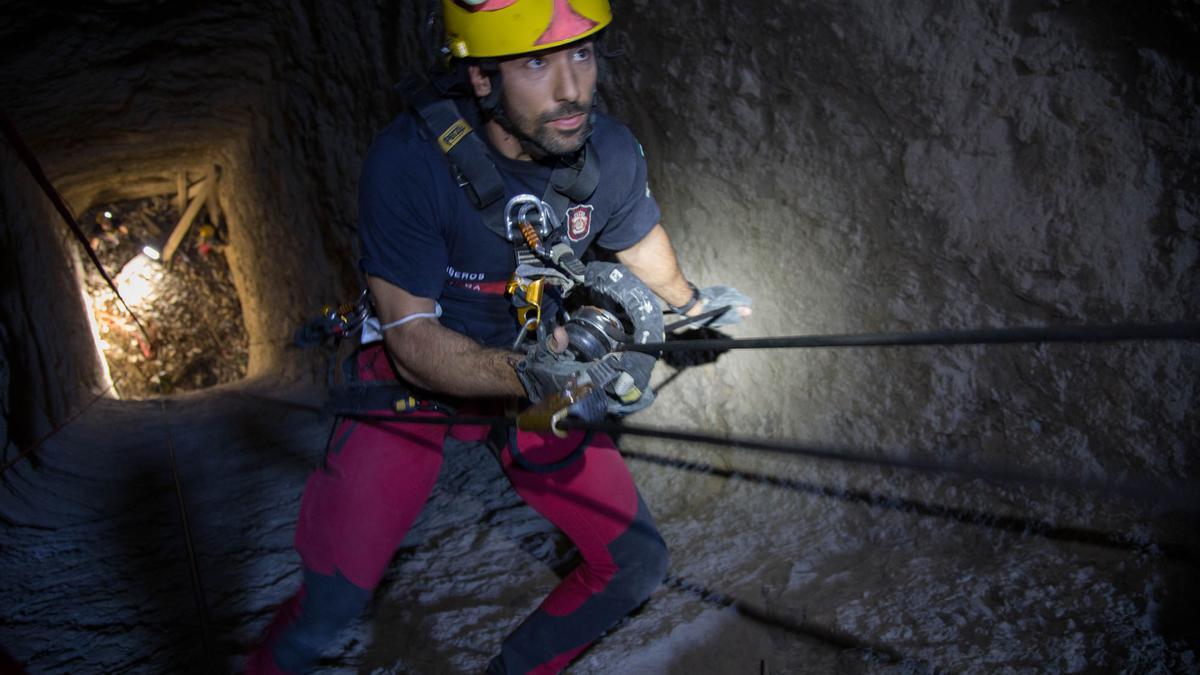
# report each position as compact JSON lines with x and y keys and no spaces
{"x":594,"y":332}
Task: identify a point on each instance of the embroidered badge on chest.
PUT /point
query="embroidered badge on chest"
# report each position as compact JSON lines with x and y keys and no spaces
{"x":579,"y":222}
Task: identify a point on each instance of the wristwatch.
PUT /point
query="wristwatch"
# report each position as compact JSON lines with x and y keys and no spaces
{"x":687,"y":306}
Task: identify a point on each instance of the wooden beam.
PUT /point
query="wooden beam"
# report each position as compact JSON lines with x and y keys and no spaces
{"x":181,"y":189}
{"x":195,"y":188}
{"x":213,"y":204}
{"x":185,"y":222}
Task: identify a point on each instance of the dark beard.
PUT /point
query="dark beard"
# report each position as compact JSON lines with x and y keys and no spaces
{"x":536,"y":137}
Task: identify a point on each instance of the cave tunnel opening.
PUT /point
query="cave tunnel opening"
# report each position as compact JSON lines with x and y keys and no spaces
{"x":166,"y":255}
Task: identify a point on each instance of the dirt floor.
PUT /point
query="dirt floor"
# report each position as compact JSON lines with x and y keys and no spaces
{"x":778,"y":577}
{"x":194,"y":336}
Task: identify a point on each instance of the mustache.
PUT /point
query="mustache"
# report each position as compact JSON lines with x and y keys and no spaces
{"x":570,"y":109}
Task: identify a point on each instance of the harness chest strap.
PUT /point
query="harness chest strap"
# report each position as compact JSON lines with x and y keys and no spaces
{"x":574,"y":181}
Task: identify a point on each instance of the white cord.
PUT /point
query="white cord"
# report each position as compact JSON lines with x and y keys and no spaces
{"x":437,"y":313}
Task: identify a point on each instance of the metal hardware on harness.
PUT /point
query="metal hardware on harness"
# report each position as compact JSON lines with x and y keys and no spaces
{"x":337,"y":322}
{"x":593,"y":333}
{"x":353,"y":316}
{"x":531,"y":292}
{"x":546,"y":414}
{"x":525,"y":328}
{"x":532,"y":212}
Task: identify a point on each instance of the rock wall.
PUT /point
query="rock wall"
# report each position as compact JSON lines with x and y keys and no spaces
{"x":51,"y":357}
{"x":861,"y":167}
{"x":116,"y":99}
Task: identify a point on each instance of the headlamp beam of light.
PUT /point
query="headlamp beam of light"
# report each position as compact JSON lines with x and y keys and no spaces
{"x":151,"y":252}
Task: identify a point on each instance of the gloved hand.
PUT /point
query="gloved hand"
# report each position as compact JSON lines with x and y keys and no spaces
{"x":630,"y":390}
{"x":548,"y":370}
{"x":625,"y":378}
{"x":712,"y":297}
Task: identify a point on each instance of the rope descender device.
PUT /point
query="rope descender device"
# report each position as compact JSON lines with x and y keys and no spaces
{"x":527,"y":296}
{"x":543,"y":256}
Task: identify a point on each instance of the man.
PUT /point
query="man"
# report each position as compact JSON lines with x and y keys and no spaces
{"x":438,"y":274}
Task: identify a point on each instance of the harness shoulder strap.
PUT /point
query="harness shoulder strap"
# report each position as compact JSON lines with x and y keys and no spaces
{"x":574,"y":181}
{"x":465,"y":152}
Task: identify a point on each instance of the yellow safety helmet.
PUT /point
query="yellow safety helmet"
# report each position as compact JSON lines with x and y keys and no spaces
{"x":495,"y":28}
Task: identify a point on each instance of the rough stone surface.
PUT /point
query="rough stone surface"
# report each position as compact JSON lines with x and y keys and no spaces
{"x":53,"y":360}
{"x":117,"y":98}
{"x":853,"y":166}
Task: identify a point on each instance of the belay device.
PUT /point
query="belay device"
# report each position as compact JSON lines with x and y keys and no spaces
{"x":614,"y":308}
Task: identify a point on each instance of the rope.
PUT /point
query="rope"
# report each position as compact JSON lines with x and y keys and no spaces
{"x":35,"y":168}
{"x":1183,"y":330}
{"x":70,"y":420}
{"x":828,"y":635}
{"x":193,"y":567}
{"x":1140,"y":489}
{"x":682,"y":323}
{"x":880,"y":500}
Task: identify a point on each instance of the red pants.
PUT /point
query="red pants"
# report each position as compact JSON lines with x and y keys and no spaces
{"x":376,"y":478}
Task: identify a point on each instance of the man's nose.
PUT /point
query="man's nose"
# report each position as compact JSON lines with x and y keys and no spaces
{"x":567,"y":83}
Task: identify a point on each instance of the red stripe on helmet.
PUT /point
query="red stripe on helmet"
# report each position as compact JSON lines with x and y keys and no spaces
{"x":565,"y":23}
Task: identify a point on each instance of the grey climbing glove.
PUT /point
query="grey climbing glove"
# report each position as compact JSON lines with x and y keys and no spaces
{"x":629,"y":391}
{"x":545,"y":372}
{"x":555,"y":378}
{"x":621,"y":377}
{"x":712,"y":297}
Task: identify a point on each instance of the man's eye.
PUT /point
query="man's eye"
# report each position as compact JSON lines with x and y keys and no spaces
{"x":583,"y":54}
{"x":536,"y":63}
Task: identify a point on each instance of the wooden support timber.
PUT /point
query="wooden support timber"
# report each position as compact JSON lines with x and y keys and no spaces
{"x":181,"y":189}
{"x":213,"y":204}
{"x":193,"y":209}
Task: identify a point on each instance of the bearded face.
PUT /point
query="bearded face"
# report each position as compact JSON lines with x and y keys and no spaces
{"x":546,"y":98}
{"x":561,"y":131}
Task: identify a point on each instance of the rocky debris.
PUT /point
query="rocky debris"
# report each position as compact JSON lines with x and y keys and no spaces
{"x":189,"y":307}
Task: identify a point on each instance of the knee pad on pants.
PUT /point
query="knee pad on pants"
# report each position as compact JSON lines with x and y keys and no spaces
{"x":329,"y":604}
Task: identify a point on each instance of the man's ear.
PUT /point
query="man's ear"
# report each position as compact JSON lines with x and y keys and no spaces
{"x":481,"y":83}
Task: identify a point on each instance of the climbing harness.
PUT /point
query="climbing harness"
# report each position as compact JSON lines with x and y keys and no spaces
{"x":335,"y":322}
{"x":573,"y":179}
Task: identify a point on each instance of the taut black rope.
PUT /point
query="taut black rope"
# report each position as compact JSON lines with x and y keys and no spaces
{"x":193,"y":567}
{"x":1183,"y":330}
{"x":1143,"y":489}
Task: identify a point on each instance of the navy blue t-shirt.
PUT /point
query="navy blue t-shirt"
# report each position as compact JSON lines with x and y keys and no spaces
{"x":420,"y":232}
